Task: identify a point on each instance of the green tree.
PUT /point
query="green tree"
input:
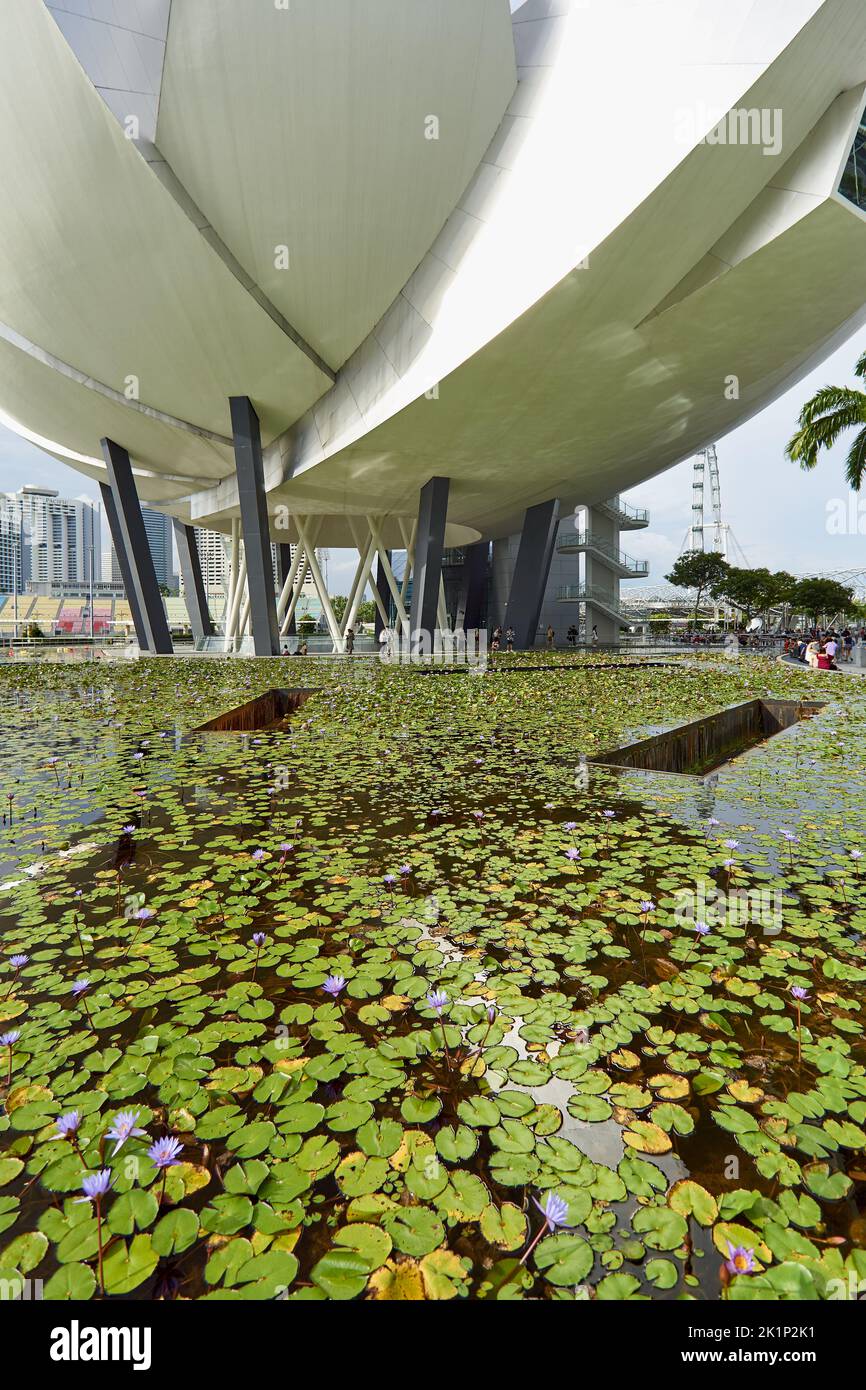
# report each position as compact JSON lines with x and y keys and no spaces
{"x":702,"y":570}
{"x":749,"y":590}
{"x":339,"y":605}
{"x":367,"y":612}
{"x":830,"y":412}
{"x":822,"y":597}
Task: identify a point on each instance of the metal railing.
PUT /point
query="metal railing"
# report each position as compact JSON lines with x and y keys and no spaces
{"x":624,"y":513}
{"x":583,"y":540}
{"x":591,"y":593}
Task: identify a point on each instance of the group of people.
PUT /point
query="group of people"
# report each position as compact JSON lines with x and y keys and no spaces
{"x":573,"y":634}
{"x":498,"y":638}
{"x":821,"y":650}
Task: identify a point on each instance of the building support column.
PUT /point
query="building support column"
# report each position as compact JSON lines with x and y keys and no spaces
{"x":254,"y":520}
{"x":374,"y":524}
{"x":289,"y":625}
{"x":193,"y":584}
{"x":409,"y":533}
{"x":284,"y":569}
{"x":309,"y":545}
{"x":125,"y":572}
{"x":531,"y":572}
{"x":470,"y":608}
{"x":429,"y":549}
{"x":238,"y":590}
{"x":151,"y":624}
{"x":383,"y":593}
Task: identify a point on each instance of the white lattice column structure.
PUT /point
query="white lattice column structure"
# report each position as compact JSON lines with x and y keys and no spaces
{"x":601,"y":579}
{"x":606,"y":564}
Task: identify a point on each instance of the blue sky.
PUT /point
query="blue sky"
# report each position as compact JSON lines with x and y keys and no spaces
{"x":778,"y":514}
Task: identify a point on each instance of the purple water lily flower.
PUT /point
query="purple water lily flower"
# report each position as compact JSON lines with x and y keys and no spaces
{"x":437,"y":999}
{"x":68,"y":1125}
{"x":554,"y":1210}
{"x":572,"y":854}
{"x":701,"y":929}
{"x":144,"y":914}
{"x":731,"y":844}
{"x":491,"y":1013}
{"x":799,"y":993}
{"x":164,"y":1153}
{"x":647,"y":905}
{"x":18,"y":962}
{"x":95,"y":1185}
{"x":389,"y":880}
{"x":570,"y":825}
{"x":740,"y":1260}
{"x":334,"y":985}
{"x":9,"y":1039}
{"x":80,"y":988}
{"x":286,"y":847}
{"x":406,"y":869}
{"x":124,"y":1127}
{"x":259,"y":939}
{"x":258,"y":855}
{"x":609,"y":815}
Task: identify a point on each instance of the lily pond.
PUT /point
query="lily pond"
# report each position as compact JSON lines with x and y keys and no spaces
{"x":404,"y":997}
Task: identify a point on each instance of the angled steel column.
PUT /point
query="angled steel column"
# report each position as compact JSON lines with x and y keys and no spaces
{"x":429,"y":548}
{"x":254,"y":519}
{"x":473,"y":587}
{"x":133,"y":541}
{"x":193,"y":584}
{"x":126,"y":573}
{"x":531,"y":572}
{"x":383,"y":592}
{"x":284,"y":569}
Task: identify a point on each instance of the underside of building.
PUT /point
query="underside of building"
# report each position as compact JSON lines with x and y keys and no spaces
{"x":521,"y":281}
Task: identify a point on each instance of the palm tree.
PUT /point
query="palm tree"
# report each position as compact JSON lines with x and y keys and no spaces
{"x":830,"y":412}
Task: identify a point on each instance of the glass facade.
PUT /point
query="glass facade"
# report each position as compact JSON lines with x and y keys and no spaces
{"x":853,"y":185}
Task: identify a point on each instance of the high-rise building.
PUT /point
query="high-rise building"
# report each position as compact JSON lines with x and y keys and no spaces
{"x":159,"y":540}
{"x":214,"y":557}
{"x":214,"y":560}
{"x":51,"y":539}
{"x":11,"y":567}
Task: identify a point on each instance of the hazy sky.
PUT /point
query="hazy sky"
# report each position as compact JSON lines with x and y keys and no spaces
{"x":778,"y":514}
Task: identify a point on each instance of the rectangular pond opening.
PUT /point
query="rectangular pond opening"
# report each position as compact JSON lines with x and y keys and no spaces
{"x":700,"y":747}
{"x":268,"y":711}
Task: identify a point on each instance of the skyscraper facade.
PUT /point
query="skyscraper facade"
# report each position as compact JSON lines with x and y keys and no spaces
{"x":11,"y":568}
{"x":159,"y":539}
{"x":46,"y":539}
